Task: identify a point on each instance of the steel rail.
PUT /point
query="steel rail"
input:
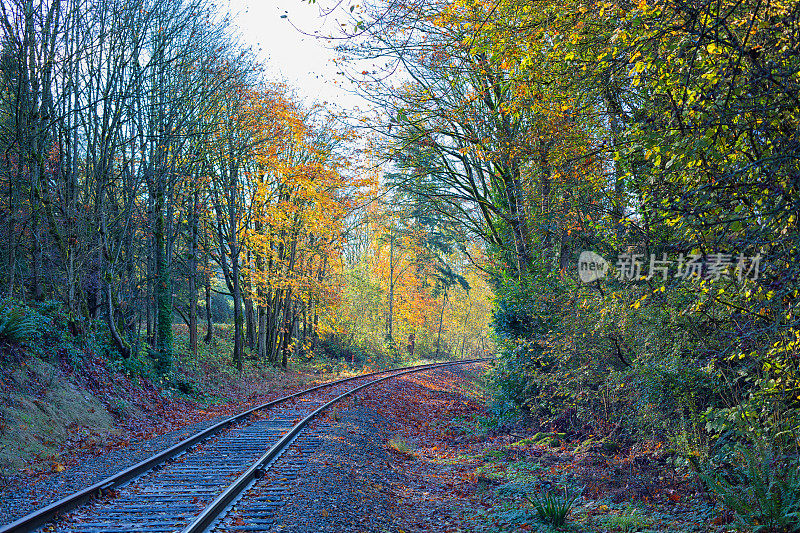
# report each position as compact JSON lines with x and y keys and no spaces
{"x":214,"y":510}
{"x":52,"y":511}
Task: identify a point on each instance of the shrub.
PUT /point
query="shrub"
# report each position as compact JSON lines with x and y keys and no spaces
{"x":335,"y":347}
{"x":136,"y":366}
{"x":50,"y":308}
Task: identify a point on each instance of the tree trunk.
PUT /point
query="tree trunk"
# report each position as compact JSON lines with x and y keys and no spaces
{"x":238,"y":318}
{"x":193,"y":275}
{"x":11,"y":267}
{"x":151,"y":273}
{"x":193,"y":315}
{"x":36,"y":247}
{"x":441,"y":320}
{"x":262,"y":333}
{"x":120,"y":344}
{"x":391,"y":286}
{"x":288,"y":323}
{"x":209,"y":318}
{"x":304,"y":312}
{"x":71,"y":302}
{"x":518,"y":218}
{"x":288,"y":312}
{"x":163,"y":287}
{"x":315,"y":335}
{"x":273,"y":326}
{"x":251,"y":331}
{"x":106,"y":276}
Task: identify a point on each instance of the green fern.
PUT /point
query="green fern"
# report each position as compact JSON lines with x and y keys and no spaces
{"x":764,"y":490}
{"x":17,"y":324}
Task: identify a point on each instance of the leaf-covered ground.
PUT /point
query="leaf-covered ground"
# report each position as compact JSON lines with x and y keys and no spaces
{"x":462,"y":476}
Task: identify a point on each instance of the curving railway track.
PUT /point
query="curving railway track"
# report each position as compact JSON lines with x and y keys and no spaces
{"x":193,"y":486}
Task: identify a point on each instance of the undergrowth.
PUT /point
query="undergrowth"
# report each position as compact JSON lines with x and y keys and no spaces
{"x":762,"y":488}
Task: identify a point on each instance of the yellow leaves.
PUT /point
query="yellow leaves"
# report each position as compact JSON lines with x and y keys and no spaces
{"x":295,"y":197}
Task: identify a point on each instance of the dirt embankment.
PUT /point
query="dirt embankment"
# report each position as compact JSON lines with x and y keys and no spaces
{"x":52,"y":412}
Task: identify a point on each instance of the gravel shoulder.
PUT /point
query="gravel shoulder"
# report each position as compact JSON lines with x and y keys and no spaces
{"x":409,"y":456}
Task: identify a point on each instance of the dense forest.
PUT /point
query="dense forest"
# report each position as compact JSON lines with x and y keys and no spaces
{"x":619,"y":178}
{"x":657,"y":141}
{"x":152,"y":174}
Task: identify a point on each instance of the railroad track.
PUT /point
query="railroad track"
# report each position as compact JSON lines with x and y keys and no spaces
{"x":189,"y":487}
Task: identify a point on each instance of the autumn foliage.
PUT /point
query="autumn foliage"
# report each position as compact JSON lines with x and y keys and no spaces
{"x":153,"y":175}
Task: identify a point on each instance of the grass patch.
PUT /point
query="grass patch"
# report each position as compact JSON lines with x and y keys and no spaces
{"x":628,"y":521}
{"x":38,"y":412}
{"x":401,"y":447}
{"x":553,"y":506}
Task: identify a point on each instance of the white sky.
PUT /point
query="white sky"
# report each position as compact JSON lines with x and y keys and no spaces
{"x":303,"y":62}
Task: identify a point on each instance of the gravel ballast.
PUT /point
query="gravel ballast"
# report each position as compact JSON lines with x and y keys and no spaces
{"x":347,"y":484}
{"x":356,"y":482}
